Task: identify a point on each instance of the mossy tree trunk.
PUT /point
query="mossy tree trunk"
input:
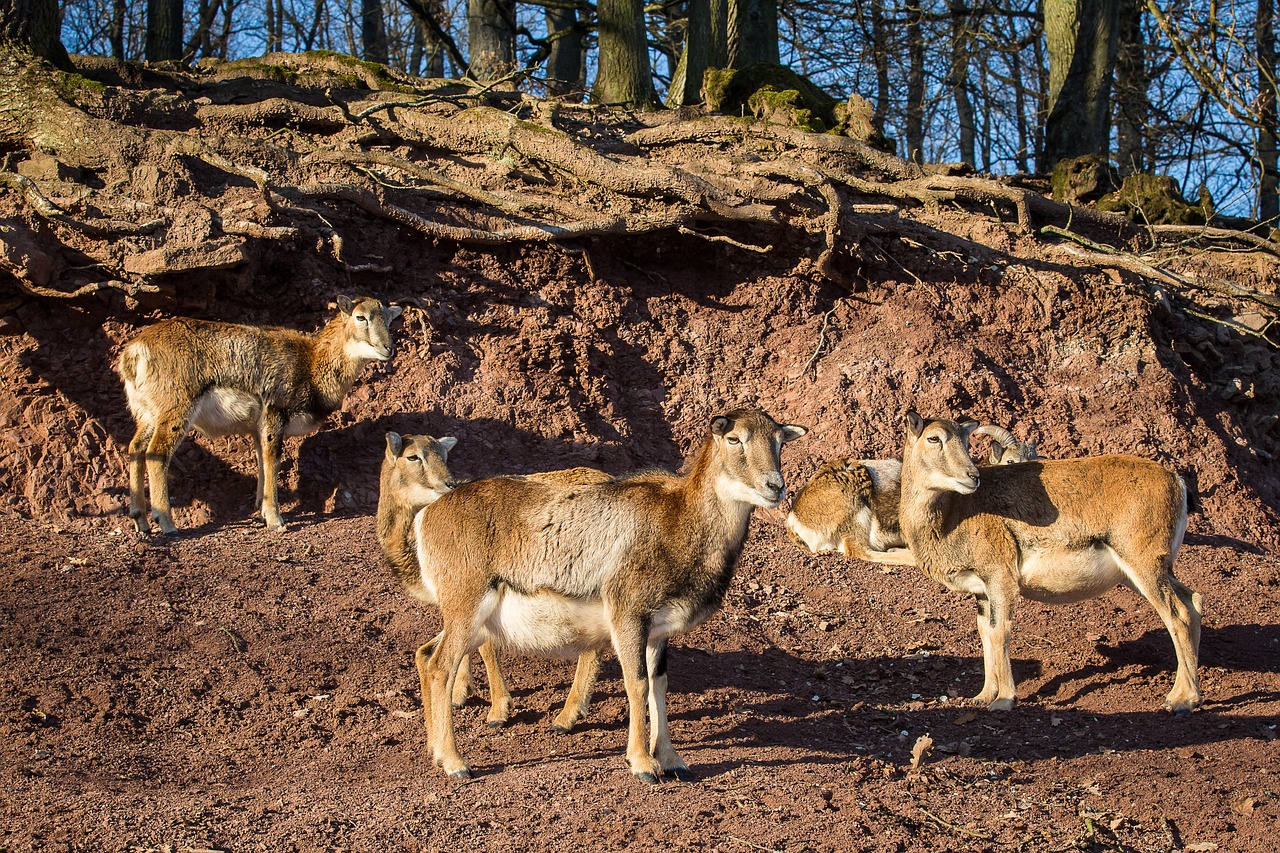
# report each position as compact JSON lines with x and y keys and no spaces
{"x":623,"y":76}
{"x":686,"y":82}
{"x":1133,"y":105}
{"x":753,"y":32}
{"x":880,"y":57}
{"x":915,"y":81}
{"x":1081,"y":36}
{"x":34,"y":25}
{"x":373,"y":31}
{"x":962,"y":35}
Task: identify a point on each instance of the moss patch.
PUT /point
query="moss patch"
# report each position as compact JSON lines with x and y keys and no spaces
{"x":730,"y":91}
{"x":784,"y":108}
{"x":1157,"y":200}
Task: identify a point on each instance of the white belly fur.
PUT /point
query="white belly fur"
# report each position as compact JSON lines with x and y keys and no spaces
{"x":226,"y":411}
{"x":813,"y":540}
{"x":545,"y":624}
{"x":1061,"y":577}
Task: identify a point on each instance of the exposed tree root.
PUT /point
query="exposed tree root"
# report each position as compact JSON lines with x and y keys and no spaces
{"x":294,"y":148}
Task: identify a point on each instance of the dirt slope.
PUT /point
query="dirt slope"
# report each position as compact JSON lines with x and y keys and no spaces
{"x":234,"y":690}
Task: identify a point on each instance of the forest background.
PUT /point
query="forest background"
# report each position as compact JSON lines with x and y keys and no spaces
{"x":1184,"y":89}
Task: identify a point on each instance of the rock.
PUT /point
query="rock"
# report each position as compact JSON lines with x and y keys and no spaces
{"x":19,"y":254}
{"x":170,"y":259}
{"x":40,"y":166}
{"x":1083,"y":179}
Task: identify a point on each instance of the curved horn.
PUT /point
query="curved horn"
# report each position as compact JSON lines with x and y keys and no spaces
{"x":1007,"y":439}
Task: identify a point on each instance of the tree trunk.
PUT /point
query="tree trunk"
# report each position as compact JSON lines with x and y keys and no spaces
{"x":686,"y":83}
{"x":35,"y":25}
{"x":624,"y":76}
{"x":880,"y":57}
{"x":753,"y":32}
{"x":115,"y":32}
{"x":491,"y":38}
{"x":915,"y":82}
{"x":564,"y":62}
{"x":373,"y":31}
{"x":1081,"y":38}
{"x":961,"y":50}
{"x":1133,"y":105}
{"x":164,"y":30}
{"x":718,"y":53}
{"x":1269,"y":179}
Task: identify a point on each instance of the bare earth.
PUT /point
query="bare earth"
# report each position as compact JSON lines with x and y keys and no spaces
{"x":229,"y":689}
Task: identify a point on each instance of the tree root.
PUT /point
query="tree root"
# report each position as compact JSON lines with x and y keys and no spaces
{"x":48,"y":210}
{"x":446,"y":164}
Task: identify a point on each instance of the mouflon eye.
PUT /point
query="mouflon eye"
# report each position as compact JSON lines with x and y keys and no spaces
{"x":933,"y":439}
{"x":733,"y":439}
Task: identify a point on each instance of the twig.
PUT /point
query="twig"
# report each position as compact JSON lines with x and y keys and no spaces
{"x":48,"y":210}
{"x":753,"y":845}
{"x":1237,"y":327}
{"x":822,"y":339}
{"x":96,"y":287}
{"x":951,"y":826}
{"x":237,"y":642}
{"x":1193,"y":232}
{"x":720,"y":238}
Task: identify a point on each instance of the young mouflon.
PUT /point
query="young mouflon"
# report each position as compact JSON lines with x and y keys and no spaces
{"x":228,"y":379}
{"x":415,"y":473}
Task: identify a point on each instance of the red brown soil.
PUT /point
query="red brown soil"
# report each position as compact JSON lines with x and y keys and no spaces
{"x":228,"y":689}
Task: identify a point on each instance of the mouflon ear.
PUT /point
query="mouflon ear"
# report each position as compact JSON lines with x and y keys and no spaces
{"x":345,"y":305}
{"x":446,"y":444}
{"x":966,"y":427}
{"x":395,"y":444}
{"x":915,"y":424}
{"x":790,"y":432}
{"x":391,"y":312}
{"x":720,"y":425}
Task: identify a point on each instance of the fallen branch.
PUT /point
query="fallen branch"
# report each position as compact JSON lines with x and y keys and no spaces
{"x":128,"y":288}
{"x":1107,"y":256}
{"x":1204,"y":232}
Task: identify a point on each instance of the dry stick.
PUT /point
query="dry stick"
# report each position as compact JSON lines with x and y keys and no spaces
{"x":1238,"y":327}
{"x":85,"y":290}
{"x":1207,"y":233}
{"x":512,"y":204}
{"x":822,"y":339}
{"x":951,"y":826}
{"x":753,"y":845}
{"x":720,"y":238}
{"x":536,"y":233}
{"x":195,"y":147}
{"x":242,"y":228}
